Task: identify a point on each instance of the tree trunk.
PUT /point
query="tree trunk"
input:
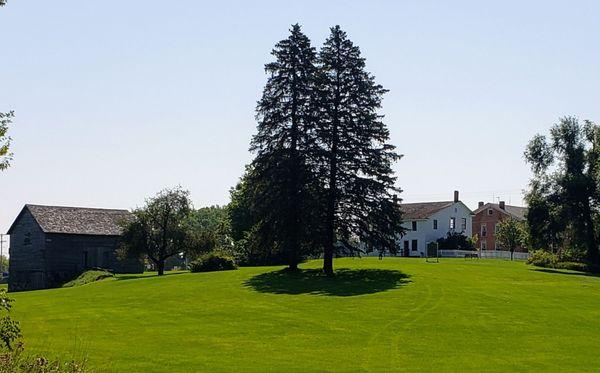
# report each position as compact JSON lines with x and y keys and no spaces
{"x":160,"y":267}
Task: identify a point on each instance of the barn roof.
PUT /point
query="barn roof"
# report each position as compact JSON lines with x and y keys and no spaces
{"x":422,"y":210}
{"x":77,"y":220}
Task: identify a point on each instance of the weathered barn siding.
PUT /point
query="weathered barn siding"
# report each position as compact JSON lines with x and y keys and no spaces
{"x":27,"y":265}
{"x":40,"y":258}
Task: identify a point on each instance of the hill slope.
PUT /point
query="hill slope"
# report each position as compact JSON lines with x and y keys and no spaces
{"x":404,"y":315}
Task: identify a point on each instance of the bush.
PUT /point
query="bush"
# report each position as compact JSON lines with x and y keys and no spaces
{"x":17,"y":360}
{"x":578,"y":266}
{"x":455,"y":241}
{"x":213,"y":261}
{"x":541,"y":258}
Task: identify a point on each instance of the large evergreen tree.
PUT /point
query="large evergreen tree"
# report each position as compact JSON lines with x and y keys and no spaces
{"x":282,"y":180}
{"x":360,"y":203}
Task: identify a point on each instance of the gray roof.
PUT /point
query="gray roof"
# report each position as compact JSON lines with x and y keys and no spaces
{"x":422,"y":210}
{"x":516,"y":212}
{"x":77,"y":220}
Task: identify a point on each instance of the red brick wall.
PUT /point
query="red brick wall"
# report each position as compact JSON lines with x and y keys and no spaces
{"x":490,"y":221}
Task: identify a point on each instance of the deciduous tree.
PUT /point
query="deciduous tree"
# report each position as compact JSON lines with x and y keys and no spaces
{"x":510,"y":234}
{"x":564,"y":194}
{"x":161,"y":229}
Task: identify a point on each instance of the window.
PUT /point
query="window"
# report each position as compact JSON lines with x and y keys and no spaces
{"x":483,"y":245}
{"x":463,"y":225}
{"x":483,"y":230}
{"x":434,"y":223}
{"x":414,"y":225}
{"x":27,"y":239}
{"x":452,"y":223}
{"x":415,"y":245}
{"x":496,"y":228}
{"x":490,"y":212}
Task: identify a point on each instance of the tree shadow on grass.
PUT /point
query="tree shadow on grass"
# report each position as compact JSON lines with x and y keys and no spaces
{"x":139,"y":276}
{"x":565,"y":272}
{"x":346,"y":282}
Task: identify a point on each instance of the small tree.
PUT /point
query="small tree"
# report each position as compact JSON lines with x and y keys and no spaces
{"x":5,"y":154}
{"x":161,"y":229}
{"x":510,"y":234}
{"x":10,"y":331}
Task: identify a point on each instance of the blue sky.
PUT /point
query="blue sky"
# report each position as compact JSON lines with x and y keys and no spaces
{"x":116,"y":100}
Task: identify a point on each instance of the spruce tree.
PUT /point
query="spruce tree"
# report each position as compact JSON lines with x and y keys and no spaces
{"x":282,"y":179}
{"x":362,"y":211}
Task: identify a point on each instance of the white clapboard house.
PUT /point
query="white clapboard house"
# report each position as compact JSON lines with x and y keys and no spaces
{"x":427,"y":221}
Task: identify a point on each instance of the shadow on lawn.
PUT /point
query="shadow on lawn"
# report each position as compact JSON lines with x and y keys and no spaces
{"x":564,"y":272}
{"x":346,"y":282}
{"x":138,"y":276}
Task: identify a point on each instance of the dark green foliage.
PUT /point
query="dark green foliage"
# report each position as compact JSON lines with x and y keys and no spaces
{"x":213,"y":261}
{"x":10,"y":331}
{"x":541,"y":258}
{"x":357,"y":158}
{"x":280,"y":183}
{"x":455,"y":241}
{"x":564,"y":191}
{"x":5,"y":154}
{"x":161,"y":229}
{"x":347,"y":282}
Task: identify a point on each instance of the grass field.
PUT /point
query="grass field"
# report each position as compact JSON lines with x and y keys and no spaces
{"x":394,"y":314}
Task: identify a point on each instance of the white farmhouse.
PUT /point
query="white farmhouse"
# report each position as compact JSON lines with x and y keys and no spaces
{"x":427,"y":221}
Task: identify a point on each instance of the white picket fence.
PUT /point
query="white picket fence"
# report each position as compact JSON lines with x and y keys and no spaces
{"x":486,"y":254}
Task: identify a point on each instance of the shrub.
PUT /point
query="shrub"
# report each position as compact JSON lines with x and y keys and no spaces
{"x":455,"y":241}
{"x":17,"y":360}
{"x":578,"y":266}
{"x":213,"y":261}
{"x":541,"y":258}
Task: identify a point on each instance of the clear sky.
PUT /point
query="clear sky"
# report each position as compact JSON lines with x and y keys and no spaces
{"x":116,"y":100}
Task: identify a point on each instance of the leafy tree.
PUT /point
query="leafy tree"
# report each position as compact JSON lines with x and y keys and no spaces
{"x":161,"y":229}
{"x":564,"y":190}
{"x":5,"y":154}
{"x":282,"y":183}
{"x":212,"y":229}
{"x":2,"y":2}
{"x":510,"y":234}
{"x":360,"y":204}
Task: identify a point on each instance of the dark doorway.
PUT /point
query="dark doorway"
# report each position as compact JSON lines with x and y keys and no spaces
{"x":406,"y":249}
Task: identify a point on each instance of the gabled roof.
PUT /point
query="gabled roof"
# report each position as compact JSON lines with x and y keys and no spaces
{"x":76,"y":220}
{"x":422,"y":210}
{"x":517,"y":212}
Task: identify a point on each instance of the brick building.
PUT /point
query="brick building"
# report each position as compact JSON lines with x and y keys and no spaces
{"x":486,"y":218}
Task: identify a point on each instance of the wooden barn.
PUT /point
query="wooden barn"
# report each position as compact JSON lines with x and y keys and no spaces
{"x":50,"y":245}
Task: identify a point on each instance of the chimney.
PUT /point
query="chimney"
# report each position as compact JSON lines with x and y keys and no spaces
{"x":502,"y":205}
{"x":456,"y":196}
{"x":480,"y":205}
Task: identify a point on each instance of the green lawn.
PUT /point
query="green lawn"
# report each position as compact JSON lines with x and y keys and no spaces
{"x":391,"y":314}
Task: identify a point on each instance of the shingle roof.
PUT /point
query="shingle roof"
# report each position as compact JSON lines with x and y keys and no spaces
{"x":78,"y":220}
{"x":516,"y":212}
{"x":422,"y":210}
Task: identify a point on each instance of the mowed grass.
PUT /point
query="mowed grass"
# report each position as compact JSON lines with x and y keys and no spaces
{"x":380,"y":315}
